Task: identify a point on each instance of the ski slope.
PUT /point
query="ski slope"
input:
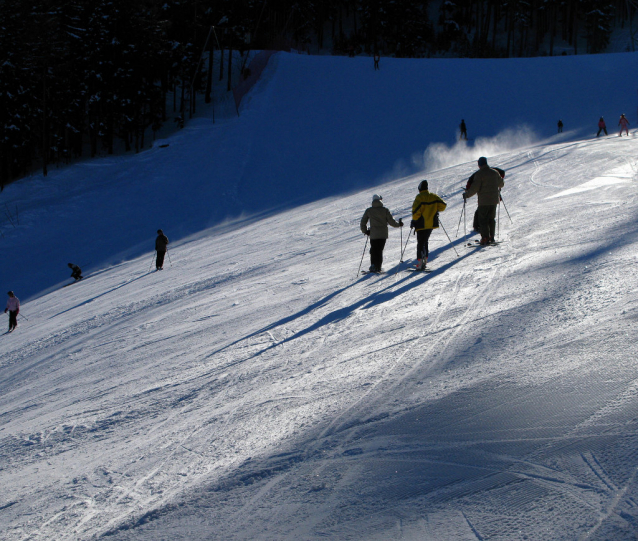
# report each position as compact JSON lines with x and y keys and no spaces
{"x":258,"y":388}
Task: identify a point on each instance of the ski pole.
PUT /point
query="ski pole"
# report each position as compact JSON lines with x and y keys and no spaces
{"x":169,"y":257}
{"x":460,"y":217}
{"x":151,"y":265}
{"x":401,"y":260}
{"x":464,"y":223}
{"x":406,"y":245}
{"x":448,"y":237}
{"x":363,"y":254}
{"x":25,"y":317}
{"x":504,"y":206}
{"x":498,"y":222}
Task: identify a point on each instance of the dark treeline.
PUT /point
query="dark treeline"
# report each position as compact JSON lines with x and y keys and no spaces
{"x":78,"y":75}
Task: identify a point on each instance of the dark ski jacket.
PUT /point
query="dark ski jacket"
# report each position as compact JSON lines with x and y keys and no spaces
{"x":161,"y":243}
{"x":425,"y":208}
{"x":471,"y":179}
{"x":379,"y":218}
{"x":487,"y":183}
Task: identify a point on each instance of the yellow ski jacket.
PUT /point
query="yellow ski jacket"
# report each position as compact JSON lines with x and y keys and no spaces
{"x":424,"y":210}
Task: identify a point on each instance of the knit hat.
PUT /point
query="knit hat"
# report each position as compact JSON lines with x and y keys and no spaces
{"x":10,"y":293}
{"x":376,"y":197}
{"x":423,"y":185}
{"x":482,"y":161}
{"x":160,"y":232}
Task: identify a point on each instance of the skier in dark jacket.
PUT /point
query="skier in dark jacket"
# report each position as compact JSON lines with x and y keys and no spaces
{"x":487,"y":185}
{"x":560,"y":126}
{"x":475,"y":222}
{"x":463,"y":129}
{"x":161,"y":246}
{"x":76,"y":272}
{"x":13,"y":307}
{"x":379,"y":218}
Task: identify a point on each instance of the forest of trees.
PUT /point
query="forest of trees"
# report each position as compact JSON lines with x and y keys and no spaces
{"x":78,"y":75}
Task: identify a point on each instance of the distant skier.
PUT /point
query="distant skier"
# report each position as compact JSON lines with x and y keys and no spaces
{"x":13,"y":307}
{"x":376,"y":61}
{"x":161,"y":246}
{"x":76,"y":271}
{"x":601,"y":126}
{"x":476,"y":225}
{"x":560,"y":126}
{"x":425,"y":218}
{"x":487,"y":184}
{"x":463,"y":129}
{"x":624,"y":125}
{"x":379,"y":218}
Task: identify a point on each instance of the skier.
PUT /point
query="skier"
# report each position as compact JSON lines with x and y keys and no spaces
{"x":425,"y":218}
{"x":486,"y":185}
{"x":13,"y":307}
{"x":379,"y":218}
{"x":560,"y":126}
{"x":161,"y":246}
{"x":601,"y":126}
{"x":624,"y":125}
{"x":476,"y":225}
{"x":376,"y":61}
{"x":463,"y":128}
{"x":76,"y":271}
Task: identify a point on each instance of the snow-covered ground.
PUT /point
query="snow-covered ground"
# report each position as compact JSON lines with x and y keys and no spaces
{"x":258,"y":388}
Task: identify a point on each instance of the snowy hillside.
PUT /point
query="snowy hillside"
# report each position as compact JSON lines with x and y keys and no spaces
{"x":258,"y":388}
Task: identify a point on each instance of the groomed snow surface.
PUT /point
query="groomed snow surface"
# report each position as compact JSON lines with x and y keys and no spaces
{"x":258,"y":388}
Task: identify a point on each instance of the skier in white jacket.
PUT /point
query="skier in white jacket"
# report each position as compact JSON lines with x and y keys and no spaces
{"x":13,"y":307}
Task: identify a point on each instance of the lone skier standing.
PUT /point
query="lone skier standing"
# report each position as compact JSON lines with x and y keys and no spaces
{"x":161,"y":245}
{"x":76,"y":272}
{"x":601,"y":126}
{"x":624,"y":125}
{"x":379,"y":218}
{"x":13,"y":307}
{"x":425,"y":218}
{"x":560,"y":126}
{"x":463,"y":129}
{"x":487,"y":184}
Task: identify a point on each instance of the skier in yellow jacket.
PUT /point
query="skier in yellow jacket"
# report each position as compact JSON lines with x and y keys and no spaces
{"x":425,"y":218}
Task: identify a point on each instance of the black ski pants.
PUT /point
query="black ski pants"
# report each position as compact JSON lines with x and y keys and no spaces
{"x":13,"y":319}
{"x":601,"y":129}
{"x":159,"y":262}
{"x":376,"y":252}
{"x":487,"y":220}
{"x":422,"y":237}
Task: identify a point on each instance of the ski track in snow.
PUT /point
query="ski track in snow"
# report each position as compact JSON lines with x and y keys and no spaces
{"x":236,"y":396}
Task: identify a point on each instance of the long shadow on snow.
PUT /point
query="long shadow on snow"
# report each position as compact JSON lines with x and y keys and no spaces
{"x":379,"y":297}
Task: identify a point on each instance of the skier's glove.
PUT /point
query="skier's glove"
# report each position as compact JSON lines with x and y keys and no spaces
{"x":400,"y":223}
{"x":412,"y":224}
{"x":368,"y":232}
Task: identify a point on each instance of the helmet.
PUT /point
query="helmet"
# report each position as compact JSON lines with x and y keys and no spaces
{"x":376,"y":197}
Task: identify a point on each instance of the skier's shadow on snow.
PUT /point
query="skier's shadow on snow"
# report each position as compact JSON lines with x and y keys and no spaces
{"x":100,"y":295}
{"x":410,"y":281}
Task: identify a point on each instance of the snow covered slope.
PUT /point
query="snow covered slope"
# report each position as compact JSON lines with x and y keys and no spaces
{"x":258,"y":388}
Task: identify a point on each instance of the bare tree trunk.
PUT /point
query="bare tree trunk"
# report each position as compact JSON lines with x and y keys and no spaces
{"x":209,"y":75}
{"x":230,"y":65}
